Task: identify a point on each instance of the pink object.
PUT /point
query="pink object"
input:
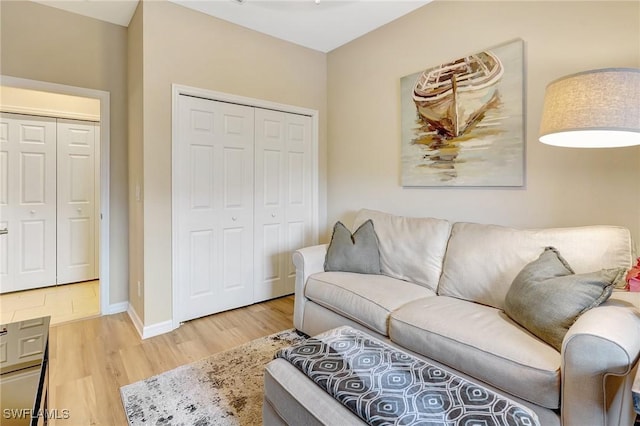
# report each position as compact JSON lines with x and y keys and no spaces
{"x":634,"y":284}
{"x":633,"y":277}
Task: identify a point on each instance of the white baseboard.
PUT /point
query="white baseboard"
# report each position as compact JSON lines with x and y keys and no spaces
{"x":157,"y":329}
{"x":135,"y":319}
{"x":116,"y":308}
{"x":150,"y":330}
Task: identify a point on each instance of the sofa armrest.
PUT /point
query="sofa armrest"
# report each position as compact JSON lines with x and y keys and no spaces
{"x":599,"y":357}
{"x":308,"y":260}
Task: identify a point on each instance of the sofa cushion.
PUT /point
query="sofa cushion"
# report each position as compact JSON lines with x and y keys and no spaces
{"x":484,"y":343}
{"x":411,"y":249}
{"x":483,"y":260}
{"x":365,"y":299}
{"x":357,"y":252}
{"x":547,"y":297}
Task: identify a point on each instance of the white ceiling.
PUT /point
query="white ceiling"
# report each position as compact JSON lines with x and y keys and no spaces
{"x":320,"y":26}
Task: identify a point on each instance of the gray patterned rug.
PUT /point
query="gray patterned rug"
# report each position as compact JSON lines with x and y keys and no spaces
{"x":224,"y":389}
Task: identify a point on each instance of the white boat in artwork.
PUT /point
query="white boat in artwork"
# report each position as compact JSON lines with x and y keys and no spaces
{"x":452,"y":97}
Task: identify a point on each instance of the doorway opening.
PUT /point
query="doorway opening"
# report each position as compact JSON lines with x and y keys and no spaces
{"x":90,"y":296}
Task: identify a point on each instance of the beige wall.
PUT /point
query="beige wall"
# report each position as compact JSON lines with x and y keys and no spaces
{"x":564,"y":187}
{"x":186,"y":47}
{"x":136,"y":166}
{"x":46,"y":44}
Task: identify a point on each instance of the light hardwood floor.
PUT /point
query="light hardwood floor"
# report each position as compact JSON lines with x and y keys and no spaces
{"x":91,"y":359}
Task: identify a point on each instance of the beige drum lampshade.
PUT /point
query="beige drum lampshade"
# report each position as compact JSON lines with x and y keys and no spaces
{"x":593,"y":109}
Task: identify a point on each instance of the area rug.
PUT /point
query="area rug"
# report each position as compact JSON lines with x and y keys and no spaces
{"x":224,"y":389}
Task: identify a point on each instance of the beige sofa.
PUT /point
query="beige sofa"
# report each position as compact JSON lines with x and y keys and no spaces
{"x":442,"y":295}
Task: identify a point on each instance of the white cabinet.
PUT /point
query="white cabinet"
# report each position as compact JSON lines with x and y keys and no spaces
{"x":242,"y":195}
{"x":24,"y":369}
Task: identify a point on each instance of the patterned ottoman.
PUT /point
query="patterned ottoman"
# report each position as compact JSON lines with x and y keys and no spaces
{"x":345,"y":376}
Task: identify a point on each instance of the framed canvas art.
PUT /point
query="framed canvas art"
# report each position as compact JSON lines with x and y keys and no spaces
{"x":463,"y":121}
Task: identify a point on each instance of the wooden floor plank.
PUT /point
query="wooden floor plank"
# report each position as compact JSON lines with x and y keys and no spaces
{"x":91,"y":359}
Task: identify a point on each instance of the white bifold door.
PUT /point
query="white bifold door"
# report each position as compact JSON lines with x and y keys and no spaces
{"x":47,"y":202}
{"x":76,"y":205}
{"x":242,"y":199}
{"x":282,"y":199}
{"x":215,"y":198}
{"x":27,"y":202}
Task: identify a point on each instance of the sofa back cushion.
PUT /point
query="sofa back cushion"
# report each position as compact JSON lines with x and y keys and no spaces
{"x":482,"y":260}
{"x":411,"y":249}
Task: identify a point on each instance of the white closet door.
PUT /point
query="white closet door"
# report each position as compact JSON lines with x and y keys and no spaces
{"x":283,"y":197}
{"x":76,"y":240}
{"x":214,"y":183}
{"x":27,"y":202}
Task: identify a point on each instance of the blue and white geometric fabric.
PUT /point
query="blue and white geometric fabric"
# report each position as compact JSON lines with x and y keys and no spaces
{"x":386,"y":386}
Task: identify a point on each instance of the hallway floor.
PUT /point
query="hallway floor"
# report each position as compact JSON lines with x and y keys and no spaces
{"x":63,"y":303}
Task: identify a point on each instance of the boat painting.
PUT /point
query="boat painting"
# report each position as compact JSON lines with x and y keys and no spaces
{"x":462,"y":121}
{"x":455,"y":95}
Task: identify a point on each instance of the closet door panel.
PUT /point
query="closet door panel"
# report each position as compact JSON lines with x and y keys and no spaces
{"x":201,"y":267}
{"x":283,"y":198}
{"x":233,"y":260}
{"x":4,"y":202}
{"x":76,"y":199}
{"x":27,"y":202}
{"x":271,"y":242}
{"x":214,"y":186}
{"x":270,"y":202}
{"x":297,"y":239}
{"x":201,"y":191}
{"x":236,"y":197}
{"x":299,"y":202}
{"x":199,"y":246}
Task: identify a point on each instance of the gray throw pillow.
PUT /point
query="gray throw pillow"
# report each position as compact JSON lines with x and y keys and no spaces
{"x":547,"y":297}
{"x":353,"y":253}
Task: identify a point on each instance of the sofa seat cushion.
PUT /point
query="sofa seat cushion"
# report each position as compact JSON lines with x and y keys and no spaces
{"x":482,"y":342}
{"x":365,"y":299}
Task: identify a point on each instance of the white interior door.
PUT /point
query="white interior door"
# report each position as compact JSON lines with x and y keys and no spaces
{"x":27,"y":202}
{"x":76,"y":199}
{"x":214,"y":183}
{"x":283,"y":199}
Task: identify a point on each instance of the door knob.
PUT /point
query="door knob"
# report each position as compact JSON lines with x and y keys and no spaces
{"x":4,"y":231}
{"x":79,"y":210}
{"x":234,"y":218}
{"x":32,"y":212}
{"x":273,"y":215}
